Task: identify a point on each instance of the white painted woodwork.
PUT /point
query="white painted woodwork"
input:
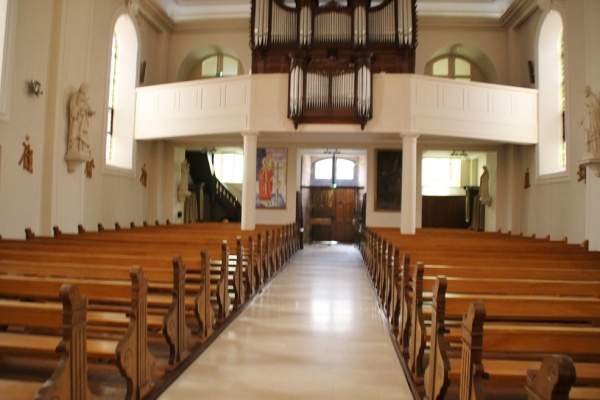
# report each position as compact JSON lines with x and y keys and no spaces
{"x":403,"y":103}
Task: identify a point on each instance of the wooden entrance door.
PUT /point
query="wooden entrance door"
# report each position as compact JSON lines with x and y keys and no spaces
{"x":332,"y":214}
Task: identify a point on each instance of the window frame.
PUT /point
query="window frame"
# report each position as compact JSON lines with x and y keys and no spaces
{"x":6,"y":58}
{"x":125,"y":161}
{"x":220,"y":62}
{"x":549,"y":168}
{"x":451,"y":60}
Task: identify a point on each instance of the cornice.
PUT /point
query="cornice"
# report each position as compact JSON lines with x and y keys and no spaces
{"x":518,"y":13}
{"x":211,"y":25}
{"x":155,"y":14}
{"x":463,"y":23}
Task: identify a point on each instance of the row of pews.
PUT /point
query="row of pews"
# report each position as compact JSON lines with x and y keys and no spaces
{"x":119,"y":313}
{"x":489,"y":315}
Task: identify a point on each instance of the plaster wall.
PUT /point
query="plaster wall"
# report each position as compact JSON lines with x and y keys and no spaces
{"x":487,"y":36}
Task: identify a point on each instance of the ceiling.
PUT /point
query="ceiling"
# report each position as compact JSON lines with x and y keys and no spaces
{"x":194,"y":10}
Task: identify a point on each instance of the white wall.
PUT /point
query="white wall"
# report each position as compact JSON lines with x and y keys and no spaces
{"x":63,"y":43}
{"x":20,"y":191}
{"x":557,"y":206}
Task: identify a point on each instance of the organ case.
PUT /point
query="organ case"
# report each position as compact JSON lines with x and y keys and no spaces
{"x":330,"y":49}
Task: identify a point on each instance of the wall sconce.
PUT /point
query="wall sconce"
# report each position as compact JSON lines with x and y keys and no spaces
{"x":35,"y":87}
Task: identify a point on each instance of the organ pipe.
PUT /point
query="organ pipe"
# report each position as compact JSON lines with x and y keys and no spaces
{"x":357,"y":24}
{"x":261,"y":23}
{"x":360,"y":26}
{"x":296,"y":91}
{"x":283,"y":25}
{"x":381,"y":24}
{"x":305,"y":26}
{"x":405,"y":22}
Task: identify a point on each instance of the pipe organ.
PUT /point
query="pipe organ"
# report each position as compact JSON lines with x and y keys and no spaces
{"x":330,"y":51}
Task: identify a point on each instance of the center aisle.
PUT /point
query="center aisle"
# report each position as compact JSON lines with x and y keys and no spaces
{"x":314,"y":333}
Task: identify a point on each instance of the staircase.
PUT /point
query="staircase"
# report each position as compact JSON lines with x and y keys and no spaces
{"x":219,"y":202}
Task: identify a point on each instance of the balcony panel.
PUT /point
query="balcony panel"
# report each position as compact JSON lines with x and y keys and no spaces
{"x":402,"y":103}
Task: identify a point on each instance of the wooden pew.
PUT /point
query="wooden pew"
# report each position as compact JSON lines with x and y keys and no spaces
{"x":544,"y":268}
{"x":494,"y":281}
{"x":528,"y":328}
{"x":106,"y":253}
{"x":478,"y":248}
{"x":170,"y":302}
{"x":70,"y":378}
{"x":130,"y":351}
{"x":554,"y":380}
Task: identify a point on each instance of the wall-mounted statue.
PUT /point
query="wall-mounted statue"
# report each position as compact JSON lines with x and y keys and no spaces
{"x":78,"y":145}
{"x":484,"y":188}
{"x":591,"y":123}
{"x":182,"y":191}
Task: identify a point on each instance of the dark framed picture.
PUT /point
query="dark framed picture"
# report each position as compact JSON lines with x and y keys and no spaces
{"x":388,"y":178}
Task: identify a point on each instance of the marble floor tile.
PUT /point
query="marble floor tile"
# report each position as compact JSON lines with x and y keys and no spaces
{"x":314,"y":333}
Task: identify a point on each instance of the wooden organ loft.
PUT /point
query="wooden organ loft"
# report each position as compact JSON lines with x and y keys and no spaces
{"x":330,"y":49}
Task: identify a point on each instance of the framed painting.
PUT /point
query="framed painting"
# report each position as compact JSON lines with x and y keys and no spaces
{"x":271,"y":178}
{"x":388,"y":177}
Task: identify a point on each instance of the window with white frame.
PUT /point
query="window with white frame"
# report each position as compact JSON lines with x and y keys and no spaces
{"x":6,"y":42}
{"x":552,"y":104}
{"x":229,"y":168}
{"x":453,"y":67}
{"x":342,"y":173}
{"x":218,"y":66}
{"x":440,"y":175}
{"x":121,"y":96}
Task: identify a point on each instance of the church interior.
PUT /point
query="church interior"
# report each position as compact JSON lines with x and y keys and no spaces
{"x":179,"y":160}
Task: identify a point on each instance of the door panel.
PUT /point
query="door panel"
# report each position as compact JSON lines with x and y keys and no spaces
{"x":345,"y":208}
{"x":321,"y":214}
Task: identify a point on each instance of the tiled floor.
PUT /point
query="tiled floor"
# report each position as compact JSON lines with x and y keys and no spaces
{"x":315,"y":333}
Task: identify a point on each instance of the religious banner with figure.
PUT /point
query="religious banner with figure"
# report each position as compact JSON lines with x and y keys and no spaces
{"x":271,"y":177}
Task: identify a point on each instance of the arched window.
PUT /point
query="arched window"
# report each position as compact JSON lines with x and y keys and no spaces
{"x":461,"y":62}
{"x":121,"y":94}
{"x":343,"y":173}
{"x":219,"y":65}
{"x":7,"y":18}
{"x":552,"y":104}
{"x":455,"y":68}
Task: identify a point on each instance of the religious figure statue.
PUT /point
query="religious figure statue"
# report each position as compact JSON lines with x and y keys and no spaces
{"x":78,"y":145}
{"x":484,"y":191}
{"x":182,"y":191}
{"x":591,"y":123}
{"x":265,"y":180}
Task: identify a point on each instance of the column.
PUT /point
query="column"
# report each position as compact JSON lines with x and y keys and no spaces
{"x":249,"y":183}
{"x":408,"y":213}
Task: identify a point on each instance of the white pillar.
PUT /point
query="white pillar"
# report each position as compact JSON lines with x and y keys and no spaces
{"x":249,"y":183}
{"x":408,"y":212}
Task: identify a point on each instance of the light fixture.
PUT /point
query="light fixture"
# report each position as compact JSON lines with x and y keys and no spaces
{"x":35,"y":87}
{"x":462,"y":154}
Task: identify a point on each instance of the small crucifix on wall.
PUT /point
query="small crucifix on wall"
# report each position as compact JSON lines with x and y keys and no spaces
{"x":89,"y":168}
{"x":144,"y":176}
{"x":27,"y":157}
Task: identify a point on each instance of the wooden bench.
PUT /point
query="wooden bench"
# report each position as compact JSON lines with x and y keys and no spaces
{"x":537,"y":274}
{"x":129,"y":350}
{"x":519,"y":331}
{"x":68,"y":317}
{"x":209,"y":289}
{"x":554,"y":380}
{"x":167,"y":300}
